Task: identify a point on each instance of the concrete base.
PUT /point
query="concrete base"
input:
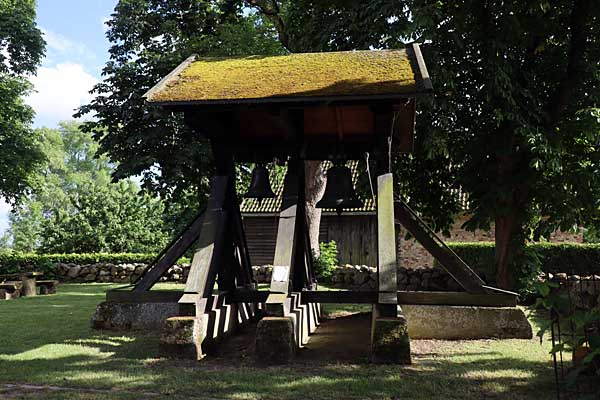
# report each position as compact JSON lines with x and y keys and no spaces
{"x":194,"y":336}
{"x":466,"y":322}
{"x":390,"y":342}
{"x":281,"y":311}
{"x":133,"y":316}
{"x":182,"y":337}
{"x":275,"y":342}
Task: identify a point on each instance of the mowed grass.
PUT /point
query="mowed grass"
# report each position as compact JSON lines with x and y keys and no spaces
{"x":47,"y":341}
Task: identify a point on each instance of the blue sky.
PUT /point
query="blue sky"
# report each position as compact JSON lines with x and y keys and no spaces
{"x":76,"y":50}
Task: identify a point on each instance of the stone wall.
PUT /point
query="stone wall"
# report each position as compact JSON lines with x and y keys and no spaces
{"x":361,"y":277}
{"x":127,"y":273}
{"x":355,"y":277}
{"x":115,"y":273}
{"x":412,"y":255}
{"x":583,"y":292}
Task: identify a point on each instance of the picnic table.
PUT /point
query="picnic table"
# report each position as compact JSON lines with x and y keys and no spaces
{"x":23,"y":282}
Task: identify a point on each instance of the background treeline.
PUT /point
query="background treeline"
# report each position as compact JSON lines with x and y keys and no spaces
{"x":73,"y":206}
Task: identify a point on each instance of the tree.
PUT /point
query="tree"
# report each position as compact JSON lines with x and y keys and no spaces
{"x":21,"y":49}
{"x":75,"y":208}
{"x":110,"y":218}
{"x":514,"y":120}
{"x":517,"y":111}
{"x":149,"y":39}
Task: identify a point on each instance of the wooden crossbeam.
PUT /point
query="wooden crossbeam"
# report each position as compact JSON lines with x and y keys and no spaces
{"x":416,"y":298}
{"x":449,"y":260}
{"x":333,"y":297}
{"x":403,"y":297}
{"x":148,"y":296}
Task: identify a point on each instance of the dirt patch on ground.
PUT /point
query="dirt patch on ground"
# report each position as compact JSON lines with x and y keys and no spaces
{"x":343,"y":338}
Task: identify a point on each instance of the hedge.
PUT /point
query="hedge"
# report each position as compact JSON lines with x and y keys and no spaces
{"x":11,"y":262}
{"x":571,"y":258}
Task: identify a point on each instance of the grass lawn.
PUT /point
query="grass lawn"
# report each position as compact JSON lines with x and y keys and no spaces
{"x":46,"y":341}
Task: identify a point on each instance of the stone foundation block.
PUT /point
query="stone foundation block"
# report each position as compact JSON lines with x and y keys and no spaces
{"x":275,"y":343}
{"x":182,"y":337}
{"x":466,"y":322}
{"x":133,"y":316}
{"x":390,"y":342}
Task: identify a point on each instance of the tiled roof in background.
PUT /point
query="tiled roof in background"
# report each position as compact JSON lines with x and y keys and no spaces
{"x":270,"y":206}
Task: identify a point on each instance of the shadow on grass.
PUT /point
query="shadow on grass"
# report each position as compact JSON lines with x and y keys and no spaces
{"x":47,"y":340}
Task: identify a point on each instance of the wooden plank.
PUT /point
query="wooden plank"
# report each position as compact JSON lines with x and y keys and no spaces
{"x":150,"y":296}
{"x":285,"y":246}
{"x":457,"y":299}
{"x":331,"y":297}
{"x":422,"y":68}
{"x":209,"y":254}
{"x":170,"y":255}
{"x":172,"y":75}
{"x":239,"y":237}
{"x":453,"y":264}
{"x":386,"y":240}
{"x":412,"y":298}
{"x":249,"y":296}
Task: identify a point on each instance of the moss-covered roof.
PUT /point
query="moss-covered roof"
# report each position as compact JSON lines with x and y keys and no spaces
{"x":292,"y":77}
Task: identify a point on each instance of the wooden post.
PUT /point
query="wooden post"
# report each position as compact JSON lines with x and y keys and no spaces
{"x":389,"y":333}
{"x":286,"y":246}
{"x":210,"y":254}
{"x":386,"y":247}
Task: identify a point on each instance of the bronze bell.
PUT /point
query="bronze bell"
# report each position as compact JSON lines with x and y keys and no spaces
{"x":339,"y":191}
{"x":260,"y":187}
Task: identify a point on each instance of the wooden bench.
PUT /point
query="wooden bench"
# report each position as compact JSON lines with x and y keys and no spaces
{"x":27,"y":279}
{"x":47,"y":286}
{"x":10,"y":290}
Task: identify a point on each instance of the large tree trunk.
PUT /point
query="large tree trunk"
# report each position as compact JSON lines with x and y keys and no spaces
{"x":512,"y":160}
{"x":506,"y":248}
{"x":315,"y":186}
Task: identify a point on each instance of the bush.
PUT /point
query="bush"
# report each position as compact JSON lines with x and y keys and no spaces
{"x":11,"y":262}
{"x":326,"y":262}
{"x":570,"y":258}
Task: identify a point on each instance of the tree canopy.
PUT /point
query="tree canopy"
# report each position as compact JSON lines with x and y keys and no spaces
{"x":21,"y":49}
{"x":514,"y":120}
{"x":150,"y":38}
{"x":74,"y":206}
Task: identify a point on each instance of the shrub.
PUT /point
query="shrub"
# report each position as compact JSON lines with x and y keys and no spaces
{"x":571,"y":258}
{"x":326,"y":262}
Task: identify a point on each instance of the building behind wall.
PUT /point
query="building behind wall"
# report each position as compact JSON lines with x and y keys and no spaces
{"x":354,"y":232}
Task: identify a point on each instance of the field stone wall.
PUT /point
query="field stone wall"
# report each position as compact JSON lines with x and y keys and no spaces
{"x":355,"y":277}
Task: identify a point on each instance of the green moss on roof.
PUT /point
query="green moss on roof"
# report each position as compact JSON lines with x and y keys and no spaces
{"x":352,"y":73}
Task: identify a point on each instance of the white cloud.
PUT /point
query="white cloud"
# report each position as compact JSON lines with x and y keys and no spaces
{"x":59,"y":45}
{"x":59,"y":90}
